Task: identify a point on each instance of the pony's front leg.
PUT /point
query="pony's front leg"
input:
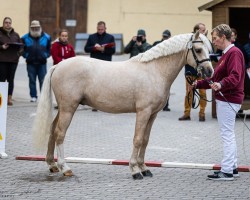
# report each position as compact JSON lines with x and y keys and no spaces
{"x":144,"y":169}
{"x":140,"y":127}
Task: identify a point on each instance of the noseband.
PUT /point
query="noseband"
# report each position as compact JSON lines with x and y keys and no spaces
{"x":190,"y":46}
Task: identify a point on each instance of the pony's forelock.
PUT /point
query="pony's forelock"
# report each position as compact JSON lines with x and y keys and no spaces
{"x":207,"y":43}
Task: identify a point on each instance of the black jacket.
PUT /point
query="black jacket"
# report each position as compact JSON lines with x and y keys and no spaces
{"x":13,"y":52}
{"x":103,"y":39}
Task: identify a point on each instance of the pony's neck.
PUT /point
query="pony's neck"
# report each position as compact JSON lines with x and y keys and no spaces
{"x":170,"y":66}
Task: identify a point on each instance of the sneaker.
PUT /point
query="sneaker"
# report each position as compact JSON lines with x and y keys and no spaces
{"x":221,"y":176}
{"x":33,"y":99}
{"x":235,"y":173}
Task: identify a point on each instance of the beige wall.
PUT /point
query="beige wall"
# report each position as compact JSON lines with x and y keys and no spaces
{"x":127,"y":16}
{"x":18,"y":11}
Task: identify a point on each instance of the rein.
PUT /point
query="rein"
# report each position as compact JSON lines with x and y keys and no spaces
{"x":190,"y":78}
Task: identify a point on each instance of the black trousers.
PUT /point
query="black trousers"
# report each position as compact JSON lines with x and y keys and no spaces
{"x":7,"y":73}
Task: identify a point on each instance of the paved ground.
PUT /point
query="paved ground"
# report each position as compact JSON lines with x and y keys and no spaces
{"x":102,"y":135}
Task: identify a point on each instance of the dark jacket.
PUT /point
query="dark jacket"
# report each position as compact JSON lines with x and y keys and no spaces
{"x":157,"y":42}
{"x":105,"y":39}
{"x":247,"y":50}
{"x":36,"y":50}
{"x":11,"y":54}
{"x":134,"y":49}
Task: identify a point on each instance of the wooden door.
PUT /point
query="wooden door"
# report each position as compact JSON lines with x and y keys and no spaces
{"x":59,"y":14}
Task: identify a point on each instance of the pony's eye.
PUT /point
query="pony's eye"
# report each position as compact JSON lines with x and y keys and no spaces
{"x":198,"y":50}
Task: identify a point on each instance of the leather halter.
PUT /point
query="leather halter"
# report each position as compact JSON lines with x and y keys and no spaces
{"x":193,"y":53}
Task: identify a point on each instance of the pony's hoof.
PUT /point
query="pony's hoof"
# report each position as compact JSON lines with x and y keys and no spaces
{"x":54,"y":169}
{"x":68,"y":173}
{"x":147,"y":173}
{"x":137,"y":176}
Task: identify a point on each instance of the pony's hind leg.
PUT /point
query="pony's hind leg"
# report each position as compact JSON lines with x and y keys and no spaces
{"x":64,"y":119}
{"x":144,"y":169}
{"x":51,"y":147}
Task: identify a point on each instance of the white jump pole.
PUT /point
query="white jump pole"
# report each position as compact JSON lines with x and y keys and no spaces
{"x":3,"y":116}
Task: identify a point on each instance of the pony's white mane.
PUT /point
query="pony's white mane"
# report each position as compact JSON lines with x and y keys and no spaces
{"x":169,"y":47}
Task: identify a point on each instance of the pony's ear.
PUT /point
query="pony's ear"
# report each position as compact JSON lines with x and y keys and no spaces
{"x":196,"y":36}
{"x":206,"y":33}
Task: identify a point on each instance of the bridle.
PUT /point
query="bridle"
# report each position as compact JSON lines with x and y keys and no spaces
{"x":190,"y":79}
{"x":190,"y":46}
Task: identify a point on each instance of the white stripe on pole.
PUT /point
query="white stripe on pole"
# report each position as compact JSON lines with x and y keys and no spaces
{"x":3,"y":116}
{"x":187,"y":165}
{"x":89,"y":160}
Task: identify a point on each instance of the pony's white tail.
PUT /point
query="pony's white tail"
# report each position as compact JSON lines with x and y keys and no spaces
{"x":42,"y":125}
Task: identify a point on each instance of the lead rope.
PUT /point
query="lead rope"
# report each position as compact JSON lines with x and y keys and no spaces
{"x":190,"y":78}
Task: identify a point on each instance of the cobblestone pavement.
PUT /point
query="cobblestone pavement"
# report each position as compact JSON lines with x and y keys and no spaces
{"x":103,"y":135}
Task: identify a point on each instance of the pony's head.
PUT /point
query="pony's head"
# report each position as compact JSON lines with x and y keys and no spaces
{"x":198,"y":54}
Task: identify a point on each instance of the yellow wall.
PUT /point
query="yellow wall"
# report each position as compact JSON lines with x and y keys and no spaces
{"x":18,"y":11}
{"x":127,"y":16}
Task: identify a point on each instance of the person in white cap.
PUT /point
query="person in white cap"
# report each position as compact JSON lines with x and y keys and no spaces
{"x":36,"y":51}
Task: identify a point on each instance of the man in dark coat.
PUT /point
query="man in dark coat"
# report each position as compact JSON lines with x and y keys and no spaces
{"x":101,"y":45}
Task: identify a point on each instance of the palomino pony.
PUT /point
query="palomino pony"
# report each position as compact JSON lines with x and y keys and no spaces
{"x":140,"y":84}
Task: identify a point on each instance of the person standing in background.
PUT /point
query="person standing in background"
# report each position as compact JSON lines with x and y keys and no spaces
{"x":138,"y":44}
{"x":165,"y":36}
{"x":36,"y":51}
{"x":10,"y":50}
{"x":193,"y":74}
{"x":61,"y":49}
{"x":234,"y":40}
{"x":101,"y":45}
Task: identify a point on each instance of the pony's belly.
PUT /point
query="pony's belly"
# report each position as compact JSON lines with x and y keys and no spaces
{"x":115,"y":108}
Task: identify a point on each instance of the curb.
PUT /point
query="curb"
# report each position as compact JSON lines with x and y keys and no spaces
{"x":126,"y":162}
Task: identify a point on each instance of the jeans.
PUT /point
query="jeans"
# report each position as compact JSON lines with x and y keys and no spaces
{"x":7,"y":72}
{"x":38,"y":70}
{"x":226,"y":119}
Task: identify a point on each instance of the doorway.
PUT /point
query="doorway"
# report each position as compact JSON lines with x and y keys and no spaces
{"x":238,"y":19}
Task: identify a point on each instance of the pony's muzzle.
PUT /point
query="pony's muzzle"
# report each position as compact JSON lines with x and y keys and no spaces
{"x":205,"y":72}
